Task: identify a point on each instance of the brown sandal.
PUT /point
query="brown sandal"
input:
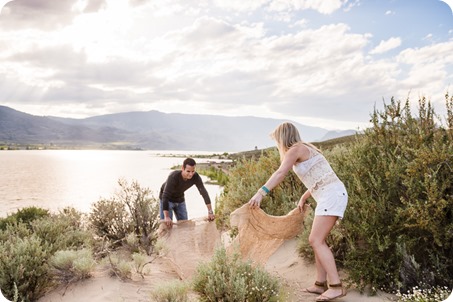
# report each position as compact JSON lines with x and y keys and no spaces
{"x":322,"y":297}
{"x":321,"y":285}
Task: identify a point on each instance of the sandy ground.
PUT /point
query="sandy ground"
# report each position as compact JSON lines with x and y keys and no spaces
{"x":188,"y":244}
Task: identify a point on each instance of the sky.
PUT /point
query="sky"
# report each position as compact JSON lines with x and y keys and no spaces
{"x":324,"y":63}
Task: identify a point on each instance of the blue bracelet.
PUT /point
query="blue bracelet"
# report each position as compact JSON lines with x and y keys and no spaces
{"x":265,"y":189}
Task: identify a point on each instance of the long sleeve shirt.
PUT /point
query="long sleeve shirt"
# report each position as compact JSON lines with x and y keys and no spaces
{"x":175,"y":186}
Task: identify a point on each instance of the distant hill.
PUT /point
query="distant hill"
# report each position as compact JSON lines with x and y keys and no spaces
{"x":336,"y":133}
{"x":146,"y":130}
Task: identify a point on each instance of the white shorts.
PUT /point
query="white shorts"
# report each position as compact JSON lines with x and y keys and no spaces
{"x":331,"y":200}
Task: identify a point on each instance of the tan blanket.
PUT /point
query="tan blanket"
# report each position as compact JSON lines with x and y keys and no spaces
{"x":260,"y":234}
{"x":188,"y":243}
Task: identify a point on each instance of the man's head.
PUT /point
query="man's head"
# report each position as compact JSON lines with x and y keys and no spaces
{"x":188,"y":168}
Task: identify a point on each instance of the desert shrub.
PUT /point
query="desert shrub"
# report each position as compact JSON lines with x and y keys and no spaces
{"x":173,"y":291}
{"x":72,"y":265}
{"x":63,"y":231}
{"x":13,"y":231}
{"x":23,"y":265}
{"x":228,"y":278}
{"x":110,"y":220}
{"x":25,"y":250}
{"x":131,"y":210}
{"x":247,"y":176}
{"x":398,"y":226}
{"x":119,"y":266}
{"x":25,"y":215}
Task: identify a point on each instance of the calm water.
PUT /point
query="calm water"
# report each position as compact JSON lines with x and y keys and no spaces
{"x":54,"y":179}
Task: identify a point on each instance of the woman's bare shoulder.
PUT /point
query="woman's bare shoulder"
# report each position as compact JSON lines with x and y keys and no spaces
{"x":302,"y":151}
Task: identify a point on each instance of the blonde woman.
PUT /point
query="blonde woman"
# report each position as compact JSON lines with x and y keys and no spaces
{"x":331,"y":197}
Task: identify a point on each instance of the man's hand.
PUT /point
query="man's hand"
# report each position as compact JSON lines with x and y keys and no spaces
{"x":168,"y":222}
{"x":211,"y":216}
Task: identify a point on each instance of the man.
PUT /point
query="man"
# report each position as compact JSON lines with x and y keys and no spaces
{"x":172,"y":193}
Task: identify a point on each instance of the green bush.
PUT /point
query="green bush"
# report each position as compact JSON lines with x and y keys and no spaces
{"x":23,"y":265}
{"x":25,"y":250}
{"x":246,"y":177}
{"x":110,"y":220}
{"x":25,"y":215}
{"x":173,"y":291}
{"x":227,"y":278}
{"x":131,"y":210}
{"x":70,"y":265}
{"x":119,"y":266}
{"x":398,"y":225}
{"x":63,"y":231}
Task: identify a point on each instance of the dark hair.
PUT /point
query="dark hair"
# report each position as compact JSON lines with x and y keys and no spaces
{"x":188,"y":161}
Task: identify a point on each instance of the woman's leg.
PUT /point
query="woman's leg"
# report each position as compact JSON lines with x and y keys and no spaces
{"x":322,"y":225}
{"x":321,"y":274}
{"x":325,"y":262}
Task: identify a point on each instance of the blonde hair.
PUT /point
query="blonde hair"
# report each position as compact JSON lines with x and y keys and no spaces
{"x":286,"y":135}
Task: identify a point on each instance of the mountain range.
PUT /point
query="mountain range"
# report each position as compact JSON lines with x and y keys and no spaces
{"x":149,"y":130}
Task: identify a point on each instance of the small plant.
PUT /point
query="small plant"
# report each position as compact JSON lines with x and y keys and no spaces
{"x":140,"y":261}
{"x":119,"y":267}
{"x":173,"y":291}
{"x":70,"y":265}
{"x":228,"y":278}
{"x":132,"y":243}
{"x":417,"y":294}
{"x":160,"y":248}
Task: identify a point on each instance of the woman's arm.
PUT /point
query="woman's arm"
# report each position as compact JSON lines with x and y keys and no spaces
{"x":291,"y":157}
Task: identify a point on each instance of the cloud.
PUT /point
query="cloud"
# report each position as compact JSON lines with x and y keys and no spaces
{"x":326,"y":7}
{"x":428,"y":67}
{"x":94,"y":6}
{"x":23,"y":14}
{"x":385,"y":46}
{"x":240,"y":5}
{"x":262,"y":58}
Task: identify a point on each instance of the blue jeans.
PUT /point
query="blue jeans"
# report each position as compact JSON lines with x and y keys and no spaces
{"x":178,"y":207}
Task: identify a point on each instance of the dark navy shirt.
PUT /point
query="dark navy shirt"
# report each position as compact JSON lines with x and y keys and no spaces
{"x":175,"y":186}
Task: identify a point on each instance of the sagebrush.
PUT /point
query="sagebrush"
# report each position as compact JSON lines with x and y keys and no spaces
{"x":132,"y":210}
{"x":228,"y":278}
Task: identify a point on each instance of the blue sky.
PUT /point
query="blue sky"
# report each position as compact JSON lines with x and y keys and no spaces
{"x":323,"y":63}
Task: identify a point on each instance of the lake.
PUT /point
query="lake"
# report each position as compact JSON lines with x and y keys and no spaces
{"x":54,"y":179}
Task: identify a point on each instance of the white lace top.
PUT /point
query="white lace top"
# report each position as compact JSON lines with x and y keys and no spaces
{"x":315,"y":172}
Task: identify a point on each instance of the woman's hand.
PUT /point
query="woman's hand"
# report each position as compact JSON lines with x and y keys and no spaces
{"x":255,"y":201}
{"x":302,"y":205}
